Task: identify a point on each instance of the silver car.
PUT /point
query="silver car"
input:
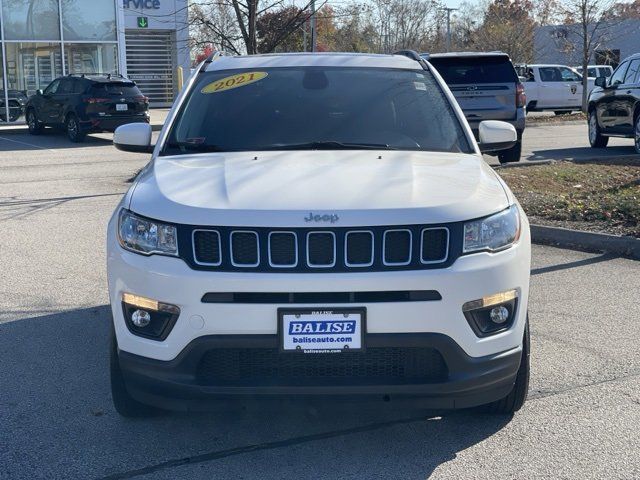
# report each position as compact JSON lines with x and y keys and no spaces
{"x":487,"y":88}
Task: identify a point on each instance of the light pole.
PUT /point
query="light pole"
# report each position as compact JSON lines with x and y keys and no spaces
{"x":449,"y":10}
{"x":313,"y":25}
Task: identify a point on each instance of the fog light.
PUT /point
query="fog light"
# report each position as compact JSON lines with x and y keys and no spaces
{"x":491,"y":314}
{"x":140,"y":318}
{"x":499,"y":314}
{"x":147,"y":317}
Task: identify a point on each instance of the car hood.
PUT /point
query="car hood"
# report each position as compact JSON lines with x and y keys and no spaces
{"x":282,"y":188}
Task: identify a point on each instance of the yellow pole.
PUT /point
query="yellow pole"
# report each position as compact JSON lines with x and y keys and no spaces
{"x":180,"y":76}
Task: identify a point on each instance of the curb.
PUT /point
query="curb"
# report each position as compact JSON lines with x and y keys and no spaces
{"x":543,"y":123}
{"x":526,"y":163}
{"x":600,"y":158}
{"x":590,"y":241}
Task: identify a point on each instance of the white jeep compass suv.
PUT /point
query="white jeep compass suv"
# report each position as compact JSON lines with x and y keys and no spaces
{"x":318,"y":224}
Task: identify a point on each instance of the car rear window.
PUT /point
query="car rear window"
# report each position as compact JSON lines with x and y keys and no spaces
{"x":120,"y":89}
{"x":472,"y":70}
{"x":299,"y":107}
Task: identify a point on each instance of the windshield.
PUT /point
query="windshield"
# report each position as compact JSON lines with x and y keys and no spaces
{"x":316,"y":108}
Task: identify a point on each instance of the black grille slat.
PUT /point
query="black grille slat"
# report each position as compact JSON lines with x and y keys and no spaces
{"x":267,"y":366}
{"x":321,"y":249}
{"x":282,"y":249}
{"x":206,"y":245}
{"x":434,"y":245}
{"x":359,"y":248}
{"x":323,"y":297}
{"x":244,"y":248}
{"x":397,"y":247}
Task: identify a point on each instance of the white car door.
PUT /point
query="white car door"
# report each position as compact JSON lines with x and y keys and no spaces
{"x":552,"y":89}
{"x":572,"y":83}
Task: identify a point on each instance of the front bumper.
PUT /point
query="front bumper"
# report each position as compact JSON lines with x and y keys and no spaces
{"x":171,"y":280}
{"x":180,"y":384}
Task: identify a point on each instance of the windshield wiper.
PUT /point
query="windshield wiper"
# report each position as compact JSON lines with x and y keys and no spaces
{"x":328,"y":145}
{"x":196,"y":147}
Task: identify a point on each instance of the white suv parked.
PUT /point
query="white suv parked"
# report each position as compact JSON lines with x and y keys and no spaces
{"x":318,"y":224}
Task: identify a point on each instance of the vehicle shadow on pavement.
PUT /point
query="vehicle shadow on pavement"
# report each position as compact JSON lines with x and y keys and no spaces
{"x":49,"y":140}
{"x":58,"y":422}
{"x":607,"y":155}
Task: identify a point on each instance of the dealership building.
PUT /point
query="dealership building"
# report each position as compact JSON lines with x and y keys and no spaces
{"x":145,"y":40}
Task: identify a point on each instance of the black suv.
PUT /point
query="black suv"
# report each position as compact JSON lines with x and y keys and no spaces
{"x":486,"y":87}
{"x":614,"y":105}
{"x":87,"y":103}
{"x":17,"y":101}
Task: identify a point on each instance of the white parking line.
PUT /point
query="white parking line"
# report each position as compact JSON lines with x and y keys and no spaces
{"x":25,"y":143}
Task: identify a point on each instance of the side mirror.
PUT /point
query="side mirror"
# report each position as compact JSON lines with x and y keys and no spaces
{"x":39,"y":92}
{"x":133,"y":137}
{"x":496,"y":135}
{"x":601,"y":82}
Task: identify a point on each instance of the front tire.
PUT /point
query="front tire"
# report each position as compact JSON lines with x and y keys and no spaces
{"x":74,"y":131}
{"x":124,"y":403}
{"x":511,"y":155}
{"x":518,"y":395}
{"x":596,"y":139}
{"x":636,"y":134}
{"x":34,"y":125}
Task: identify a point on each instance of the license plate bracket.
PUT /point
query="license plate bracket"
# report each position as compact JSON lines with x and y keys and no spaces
{"x":321,"y":330}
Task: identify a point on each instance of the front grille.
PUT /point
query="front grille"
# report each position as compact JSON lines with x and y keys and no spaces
{"x":206,"y":247}
{"x":397,"y":247}
{"x":321,"y":249}
{"x":269,"y":366}
{"x":434,"y":245}
{"x":283,"y":249}
{"x":359,"y":249}
{"x":412,"y":247}
{"x":245,"y":250}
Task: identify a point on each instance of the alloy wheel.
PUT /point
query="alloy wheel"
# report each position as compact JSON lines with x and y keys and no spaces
{"x":72,"y":127}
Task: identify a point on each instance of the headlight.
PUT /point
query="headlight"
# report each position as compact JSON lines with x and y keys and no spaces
{"x":146,"y":236}
{"x":493,"y":233}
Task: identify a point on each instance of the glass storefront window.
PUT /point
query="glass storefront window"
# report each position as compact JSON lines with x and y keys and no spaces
{"x":32,"y":66}
{"x":91,"y":58}
{"x":34,"y":46}
{"x":3,"y":110}
{"x":89,"y":20}
{"x":31,"y":19}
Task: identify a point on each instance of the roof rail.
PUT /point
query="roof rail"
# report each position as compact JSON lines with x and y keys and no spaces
{"x":413,"y":55}
{"x":95,"y":74}
{"x":211,"y":58}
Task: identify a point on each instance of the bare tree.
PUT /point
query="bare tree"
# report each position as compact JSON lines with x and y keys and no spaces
{"x":586,"y":21}
{"x":214,"y":24}
{"x":355,"y":29}
{"x":234,"y":22}
{"x":507,"y":26}
{"x":405,"y":23}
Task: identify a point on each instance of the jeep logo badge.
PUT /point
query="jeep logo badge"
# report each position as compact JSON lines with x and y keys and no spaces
{"x":333,"y":218}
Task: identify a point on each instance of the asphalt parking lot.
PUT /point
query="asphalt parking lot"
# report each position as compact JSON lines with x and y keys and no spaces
{"x":582,"y":419}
